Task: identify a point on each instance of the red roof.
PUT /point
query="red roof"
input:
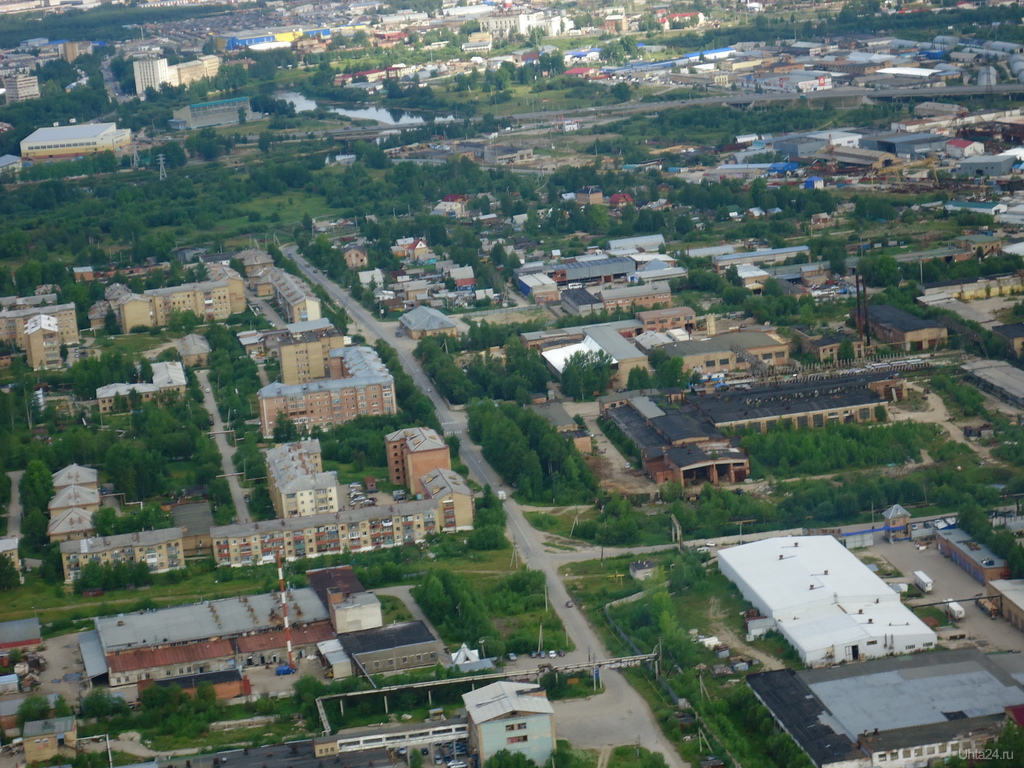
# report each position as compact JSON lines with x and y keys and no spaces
{"x":579,"y":71}
{"x":272,"y":641}
{"x":148,"y":658}
{"x":621,"y":198}
{"x":465,"y":282}
{"x":962,"y":143}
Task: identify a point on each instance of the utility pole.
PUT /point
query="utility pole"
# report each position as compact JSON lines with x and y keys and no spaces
{"x":163,"y":168}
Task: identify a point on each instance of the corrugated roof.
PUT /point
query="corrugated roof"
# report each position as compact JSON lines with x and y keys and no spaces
{"x":504,"y":698}
{"x":148,"y":658}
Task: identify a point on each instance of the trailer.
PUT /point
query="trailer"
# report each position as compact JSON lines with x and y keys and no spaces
{"x":955,"y":611}
{"x":923,"y":581}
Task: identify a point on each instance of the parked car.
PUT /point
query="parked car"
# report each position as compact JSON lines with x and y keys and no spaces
{"x":552,"y":654}
{"x":512,"y":657}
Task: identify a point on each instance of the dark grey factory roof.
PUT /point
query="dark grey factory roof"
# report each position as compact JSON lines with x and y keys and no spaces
{"x":580,"y":297}
{"x":340,"y":578}
{"x":787,"y":399}
{"x":897,"y":318}
{"x":637,"y":429}
{"x":584,"y":270}
{"x":916,"y":699}
{"x":20,"y":631}
{"x":403,"y":633}
{"x":801,"y":713}
{"x":1011,"y":331}
{"x":193,"y":681}
{"x":684,"y":423}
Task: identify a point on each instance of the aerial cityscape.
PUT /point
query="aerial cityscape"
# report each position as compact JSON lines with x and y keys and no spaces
{"x":511,"y":385}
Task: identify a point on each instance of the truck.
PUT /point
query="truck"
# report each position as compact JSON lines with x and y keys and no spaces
{"x":502,"y":495}
{"x":988,"y":605}
{"x":923,"y":581}
{"x":955,"y":611}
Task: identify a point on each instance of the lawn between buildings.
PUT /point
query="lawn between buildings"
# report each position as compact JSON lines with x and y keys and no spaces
{"x":696,"y":597}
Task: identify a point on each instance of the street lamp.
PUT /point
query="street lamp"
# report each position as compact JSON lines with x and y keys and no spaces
{"x":483,"y":653}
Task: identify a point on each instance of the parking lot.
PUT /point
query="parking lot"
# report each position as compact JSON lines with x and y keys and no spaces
{"x":951,"y":583}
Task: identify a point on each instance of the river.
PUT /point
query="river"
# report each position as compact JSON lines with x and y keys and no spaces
{"x":378,"y":114}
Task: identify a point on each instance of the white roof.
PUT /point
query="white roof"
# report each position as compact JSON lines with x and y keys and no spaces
{"x":819,"y":593}
{"x":465,"y":655}
{"x":504,"y":698}
{"x":70,"y":132}
{"x":908,"y":71}
{"x":42,"y":322}
{"x":75,"y":474}
{"x":167,"y":375}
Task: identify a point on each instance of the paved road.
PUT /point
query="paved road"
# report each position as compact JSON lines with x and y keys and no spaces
{"x":623,"y":716}
{"x":14,"y":509}
{"x":227,"y":451}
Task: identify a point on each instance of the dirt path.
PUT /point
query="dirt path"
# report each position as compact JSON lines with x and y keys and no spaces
{"x":938,"y":413}
{"x":727,"y":636}
{"x":605,"y":756}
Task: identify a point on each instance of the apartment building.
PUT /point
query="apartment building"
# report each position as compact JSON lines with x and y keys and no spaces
{"x":414,"y":452}
{"x":453,"y":499}
{"x":42,"y":343}
{"x":292,"y":295}
{"x":215,"y":299}
{"x":354,"y":530}
{"x":161,"y":550}
{"x":21,"y":88}
{"x":167,"y":377}
{"x":305,"y":354}
{"x":298,"y":485}
{"x":360,"y":385}
{"x":14,"y":322}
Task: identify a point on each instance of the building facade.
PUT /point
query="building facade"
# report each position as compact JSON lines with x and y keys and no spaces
{"x":296,"y":481}
{"x":414,"y":452}
{"x":353,"y":530}
{"x":14,"y":323}
{"x":67,"y":142}
{"x":306,"y":356}
{"x":21,"y":88}
{"x":513,"y":716}
{"x":162,"y":550}
{"x":361,"y":385}
{"x":42,"y":343}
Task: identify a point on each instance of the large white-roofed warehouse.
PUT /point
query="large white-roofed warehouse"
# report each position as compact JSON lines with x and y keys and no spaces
{"x":825,"y":602}
{"x":63,"y":142}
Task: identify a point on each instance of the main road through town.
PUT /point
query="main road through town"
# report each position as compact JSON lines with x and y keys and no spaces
{"x":617,"y":718}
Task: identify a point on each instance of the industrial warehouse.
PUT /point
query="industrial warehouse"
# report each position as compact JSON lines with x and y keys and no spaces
{"x":286,"y":629}
{"x":823,"y":600}
{"x":906,"y":712}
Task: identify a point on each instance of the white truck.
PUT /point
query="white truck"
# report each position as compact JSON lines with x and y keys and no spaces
{"x":502,"y":495}
{"x":955,"y":611}
{"x":923,"y":581}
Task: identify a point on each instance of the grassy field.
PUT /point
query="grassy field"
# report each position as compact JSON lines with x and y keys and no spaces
{"x":53,"y":603}
{"x":133,"y":343}
{"x":393,"y":609}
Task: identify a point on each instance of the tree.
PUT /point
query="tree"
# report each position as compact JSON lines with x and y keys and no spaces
{"x":586,"y":374}
{"x":285,"y":430}
{"x":264,"y":141}
{"x":36,"y":487}
{"x":31,"y":709}
{"x":506,"y":759}
{"x":639,"y":378}
{"x":845,"y":351}
{"x":9,"y":576}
